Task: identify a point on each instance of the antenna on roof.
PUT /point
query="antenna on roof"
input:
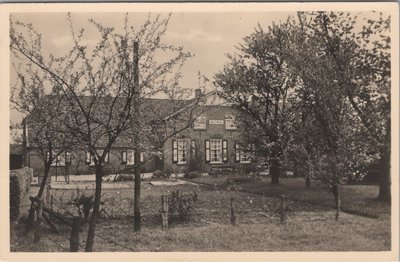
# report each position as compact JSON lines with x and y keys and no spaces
{"x":199,"y":76}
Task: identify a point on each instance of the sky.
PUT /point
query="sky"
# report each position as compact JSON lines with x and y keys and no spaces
{"x":209,"y":36}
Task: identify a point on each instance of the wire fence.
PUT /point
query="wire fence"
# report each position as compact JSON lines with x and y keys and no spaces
{"x":83,"y":232}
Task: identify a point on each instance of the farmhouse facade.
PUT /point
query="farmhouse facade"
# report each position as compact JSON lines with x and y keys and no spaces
{"x":211,"y":142}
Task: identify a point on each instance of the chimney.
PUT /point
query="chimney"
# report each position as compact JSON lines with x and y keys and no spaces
{"x":197,"y":92}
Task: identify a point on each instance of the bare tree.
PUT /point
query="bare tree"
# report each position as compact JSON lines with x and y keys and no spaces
{"x":48,"y":138}
{"x":99,"y":85}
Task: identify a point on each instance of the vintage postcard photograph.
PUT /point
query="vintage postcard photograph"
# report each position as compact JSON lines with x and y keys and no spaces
{"x":158,"y":130}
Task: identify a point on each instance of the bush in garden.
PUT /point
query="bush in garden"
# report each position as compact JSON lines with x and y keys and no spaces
{"x":123,"y":177}
{"x":181,"y":205}
{"x":213,"y":172}
{"x":192,"y":174}
{"x":15,"y":193}
{"x":158,"y":174}
{"x":20,"y":181}
{"x":247,"y":169}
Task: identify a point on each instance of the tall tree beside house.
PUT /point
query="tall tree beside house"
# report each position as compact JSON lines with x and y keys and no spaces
{"x":99,"y":85}
{"x":355,"y":55}
{"x":257,"y":81}
{"x":49,"y":139}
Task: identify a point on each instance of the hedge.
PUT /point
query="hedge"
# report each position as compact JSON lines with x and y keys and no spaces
{"x":20,"y":182}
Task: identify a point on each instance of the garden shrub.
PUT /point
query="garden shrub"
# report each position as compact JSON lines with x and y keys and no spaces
{"x":15,"y":201}
{"x":20,"y":182}
{"x":247,"y":169}
{"x":192,"y":174}
{"x":181,"y":205}
{"x":213,"y":172}
{"x":158,"y":174}
{"x":124,"y":177}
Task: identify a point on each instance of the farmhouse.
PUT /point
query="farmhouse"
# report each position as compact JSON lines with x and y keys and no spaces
{"x":210,"y":142}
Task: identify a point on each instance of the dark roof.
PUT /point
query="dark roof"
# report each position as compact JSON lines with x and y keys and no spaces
{"x":152,"y":110}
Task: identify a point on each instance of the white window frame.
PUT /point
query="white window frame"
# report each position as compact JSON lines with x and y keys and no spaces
{"x":230,"y":122}
{"x":200,"y":123}
{"x":59,"y":160}
{"x":216,"y":156}
{"x":130,"y":157}
{"x":99,"y":152}
{"x":183,"y":151}
{"x":245,"y":157}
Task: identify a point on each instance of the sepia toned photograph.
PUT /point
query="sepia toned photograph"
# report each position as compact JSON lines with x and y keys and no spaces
{"x":201,"y":130}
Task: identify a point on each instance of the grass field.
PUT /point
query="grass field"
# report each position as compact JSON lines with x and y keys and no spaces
{"x":309,"y":227}
{"x":357,"y":199}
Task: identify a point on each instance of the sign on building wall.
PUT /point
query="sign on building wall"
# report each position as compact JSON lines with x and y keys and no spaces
{"x":216,"y":122}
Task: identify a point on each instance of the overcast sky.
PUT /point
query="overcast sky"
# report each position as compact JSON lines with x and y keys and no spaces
{"x":209,"y":36}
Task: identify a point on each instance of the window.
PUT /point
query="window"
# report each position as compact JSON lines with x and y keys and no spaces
{"x":180,"y":151}
{"x":244,"y":156}
{"x":216,"y":151}
{"x":128,"y":157}
{"x":230,"y":123}
{"x":90,"y":158}
{"x":200,"y":122}
{"x":59,"y":160}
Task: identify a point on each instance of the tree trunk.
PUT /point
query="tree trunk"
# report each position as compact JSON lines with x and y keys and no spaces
{"x":31,"y":215}
{"x":274,"y":171}
{"x":137,"y":192}
{"x":308,"y":181}
{"x":384,"y":180}
{"x":136,"y":108}
{"x":336,"y":194}
{"x":96,"y":207}
{"x":39,"y":212}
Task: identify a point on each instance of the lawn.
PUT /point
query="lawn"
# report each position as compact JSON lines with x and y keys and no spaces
{"x":356,"y":199}
{"x":308,"y":228}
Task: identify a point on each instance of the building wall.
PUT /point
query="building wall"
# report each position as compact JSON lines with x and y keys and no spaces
{"x":216,"y":129}
{"x":213,"y":131}
{"x":78,"y":165}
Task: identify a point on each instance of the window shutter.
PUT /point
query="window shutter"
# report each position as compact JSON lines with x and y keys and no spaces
{"x":87,"y":159}
{"x":67,"y":157}
{"x":207,"y":151}
{"x":124,"y":159}
{"x":237,"y":152}
{"x":193,"y":149}
{"x":174,"y":151}
{"x":253,"y":153}
{"x":107,"y":158}
{"x":225,"y":151}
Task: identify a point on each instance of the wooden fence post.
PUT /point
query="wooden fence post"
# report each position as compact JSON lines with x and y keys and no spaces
{"x":233,"y":215}
{"x":74,"y":239}
{"x":47,"y":194}
{"x":283,"y":209}
{"x":164,"y":211}
{"x":39,"y":210}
